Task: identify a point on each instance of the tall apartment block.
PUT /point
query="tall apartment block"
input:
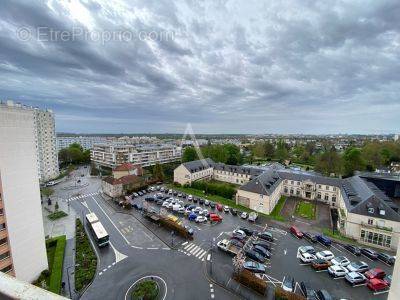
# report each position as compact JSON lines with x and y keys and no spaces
{"x":22,"y":241}
{"x":45,"y":139}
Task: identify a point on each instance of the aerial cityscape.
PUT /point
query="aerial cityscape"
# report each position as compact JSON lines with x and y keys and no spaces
{"x":173,"y":150}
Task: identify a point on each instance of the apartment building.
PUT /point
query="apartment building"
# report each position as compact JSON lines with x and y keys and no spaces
{"x":86,"y":142}
{"x":191,"y":171}
{"x":111,"y":155}
{"x":21,"y":224}
{"x":45,"y":138}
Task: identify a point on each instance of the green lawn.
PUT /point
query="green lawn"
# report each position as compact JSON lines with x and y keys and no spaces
{"x":57,"y":215}
{"x":85,"y":259}
{"x":305,"y":210}
{"x":276,"y":212}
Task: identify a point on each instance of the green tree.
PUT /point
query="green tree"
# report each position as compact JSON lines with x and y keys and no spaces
{"x":76,"y":146}
{"x":46,"y":192}
{"x":76,"y":154}
{"x":189,"y":154}
{"x":353,"y":161}
{"x":329,"y":162}
{"x":372,"y":155}
{"x":64,"y":155}
{"x":281,"y":152}
{"x":158,"y":172}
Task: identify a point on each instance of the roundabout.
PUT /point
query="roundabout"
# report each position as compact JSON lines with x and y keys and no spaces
{"x":152,"y":285}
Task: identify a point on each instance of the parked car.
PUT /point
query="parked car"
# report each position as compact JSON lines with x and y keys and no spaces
{"x":254,"y":267}
{"x":246,"y":230}
{"x":288,"y":284}
{"x":262,"y":244}
{"x":212,"y":205}
{"x":150,"y":199}
{"x":220,"y":207}
{"x":244,"y":215}
{"x":377,"y":285}
{"x":358,"y":266}
{"x":195,"y":199}
{"x":234,"y":212}
{"x":296,"y":232}
{"x":226,"y":209}
{"x":137,"y":206}
{"x":375,"y":273}
{"x":340,"y":261}
{"x":201,"y":219}
{"x":369,"y":253}
{"x":255,"y":256}
{"x":206,"y":203}
{"x":201,"y":201}
{"x":198,"y":209}
{"x":324,"y":295}
{"x":325,"y":255}
{"x":204,"y":212}
{"x":135,"y":194}
{"x":264,"y":252}
{"x":386,"y":258}
{"x":165,"y":204}
{"x":388,"y":279}
{"x":192,"y":216}
{"x":215,"y":217}
{"x":353,"y":249}
{"x":239,"y":233}
{"x":160,"y":202}
{"x":306,"y":257}
{"x":310,"y":237}
{"x":320,"y":264}
{"x":355,"y":278}
{"x":189,"y":229}
{"x":237,"y":243}
{"x":181,"y":210}
{"x":140,"y":193}
{"x":307,"y":290}
{"x":337,"y":271}
{"x":308,"y":249}
{"x":175,"y":193}
{"x":179,"y":195}
{"x":266,"y":235}
{"x":324,"y":240}
{"x":190,"y":198}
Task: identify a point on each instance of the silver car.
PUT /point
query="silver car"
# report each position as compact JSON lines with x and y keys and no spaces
{"x":355,"y":278}
{"x":358,"y":266}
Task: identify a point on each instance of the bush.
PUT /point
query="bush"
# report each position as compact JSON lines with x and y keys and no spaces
{"x":57,"y":268}
{"x":146,"y":290}
{"x":280,"y":294}
{"x":213,"y":188}
{"x":57,"y":215}
{"x":248,"y":279}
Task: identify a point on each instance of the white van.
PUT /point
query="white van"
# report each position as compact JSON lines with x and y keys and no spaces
{"x":176,"y":207}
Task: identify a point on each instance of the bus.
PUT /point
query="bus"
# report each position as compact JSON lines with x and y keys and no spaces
{"x":97,"y":229}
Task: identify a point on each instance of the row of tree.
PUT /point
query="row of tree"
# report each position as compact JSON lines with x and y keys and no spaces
{"x":228,"y":154}
{"x":74,"y":154}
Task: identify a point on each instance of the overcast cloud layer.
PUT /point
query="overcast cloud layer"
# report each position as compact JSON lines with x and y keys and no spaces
{"x":224,"y":66}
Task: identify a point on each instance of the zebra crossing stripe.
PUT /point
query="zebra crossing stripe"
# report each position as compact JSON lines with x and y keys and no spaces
{"x":204,"y":253}
{"x":197,"y":251}
{"x":187,"y":248}
{"x":200,"y":253}
{"x":194,"y":249}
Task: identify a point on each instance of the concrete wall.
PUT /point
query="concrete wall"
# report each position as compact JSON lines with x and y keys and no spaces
{"x":21,"y":194}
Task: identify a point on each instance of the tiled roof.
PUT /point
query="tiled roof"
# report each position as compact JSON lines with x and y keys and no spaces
{"x":252,"y":171}
{"x":127,"y":167}
{"x":263,"y":184}
{"x":301,"y":176}
{"x":198,"y":165}
{"x":128,"y":179}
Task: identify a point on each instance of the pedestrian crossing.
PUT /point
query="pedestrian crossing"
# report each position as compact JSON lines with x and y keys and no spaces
{"x":191,"y":249}
{"x":81,"y":197}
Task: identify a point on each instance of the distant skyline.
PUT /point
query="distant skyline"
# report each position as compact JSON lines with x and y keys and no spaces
{"x":254,"y":67}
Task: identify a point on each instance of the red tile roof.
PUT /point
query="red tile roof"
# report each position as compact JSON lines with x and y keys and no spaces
{"x":129,"y":167}
{"x":128,"y":179}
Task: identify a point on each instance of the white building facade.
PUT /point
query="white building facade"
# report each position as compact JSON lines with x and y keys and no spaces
{"x":22,"y":241}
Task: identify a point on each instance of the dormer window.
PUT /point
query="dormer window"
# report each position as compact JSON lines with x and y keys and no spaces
{"x":371,"y":210}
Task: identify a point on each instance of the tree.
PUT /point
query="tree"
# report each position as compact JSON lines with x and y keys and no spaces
{"x":47,"y":192}
{"x":64,"y":155}
{"x":372,"y":155}
{"x":76,"y":155}
{"x":353,"y":161}
{"x":56,"y":207}
{"x":329,"y":162}
{"x":189,"y":154}
{"x":158,"y":172}
{"x":76,"y":146}
{"x":281,"y":152}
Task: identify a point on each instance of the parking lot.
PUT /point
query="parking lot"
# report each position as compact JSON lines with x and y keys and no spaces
{"x":284,"y":261}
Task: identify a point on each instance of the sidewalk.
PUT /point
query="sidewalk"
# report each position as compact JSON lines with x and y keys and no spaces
{"x":63,"y":226}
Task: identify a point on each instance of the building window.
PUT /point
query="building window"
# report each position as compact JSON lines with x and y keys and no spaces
{"x":375,"y":238}
{"x":6,"y":269}
{"x":333,"y":198}
{"x":327,"y":187}
{"x":286,"y":190}
{"x":3,"y":241}
{"x":370,"y":221}
{"x":291,"y":191}
{"x":4,"y":255}
{"x":2,"y":226}
{"x":297,"y":192}
{"x":298,"y":182}
{"x":319,"y":195}
{"x":1,"y":211}
{"x":319,"y":186}
{"x":291,"y":182}
{"x":326,"y":197}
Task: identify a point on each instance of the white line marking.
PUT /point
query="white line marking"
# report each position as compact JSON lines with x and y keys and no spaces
{"x":208,"y":257}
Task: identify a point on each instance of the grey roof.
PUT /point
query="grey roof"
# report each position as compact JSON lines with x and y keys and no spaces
{"x":198,"y":165}
{"x":263,"y":184}
{"x":246,"y":170}
{"x":301,"y":176}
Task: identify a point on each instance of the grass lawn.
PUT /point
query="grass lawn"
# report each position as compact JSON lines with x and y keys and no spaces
{"x":305,"y":210}
{"x":337,"y":235}
{"x":85,"y":259}
{"x":57,"y":215}
{"x":276,"y":212}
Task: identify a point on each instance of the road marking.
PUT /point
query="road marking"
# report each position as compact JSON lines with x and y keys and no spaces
{"x":111,"y":221}
{"x":118,"y":255}
{"x":100,"y":273}
{"x":190,"y":246}
{"x":381,"y":292}
{"x":153,"y":248}
{"x":184,"y":243}
{"x":204,"y":253}
{"x":208,"y":257}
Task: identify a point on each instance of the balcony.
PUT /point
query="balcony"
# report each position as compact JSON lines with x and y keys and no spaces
{"x":308,"y":188}
{"x":389,"y":229}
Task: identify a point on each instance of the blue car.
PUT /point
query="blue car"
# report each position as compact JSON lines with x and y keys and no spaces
{"x":192,"y":216}
{"x":324,"y":240}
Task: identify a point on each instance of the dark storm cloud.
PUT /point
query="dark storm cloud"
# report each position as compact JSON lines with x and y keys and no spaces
{"x":224,"y":66}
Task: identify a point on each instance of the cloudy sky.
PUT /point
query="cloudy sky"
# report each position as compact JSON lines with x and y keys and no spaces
{"x":224,"y":66}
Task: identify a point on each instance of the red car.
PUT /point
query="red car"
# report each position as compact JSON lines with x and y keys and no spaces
{"x":375,"y":273}
{"x":296,"y":232}
{"x":220,"y":207}
{"x":377,"y":285}
{"x":215,"y":218}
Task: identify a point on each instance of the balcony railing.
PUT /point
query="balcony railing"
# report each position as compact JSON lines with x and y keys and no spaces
{"x":390,"y":229}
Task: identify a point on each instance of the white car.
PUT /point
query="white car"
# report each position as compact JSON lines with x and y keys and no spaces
{"x":204,"y":212}
{"x":337,"y":271}
{"x":170,"y":192}
{"x":325,"y":255}
{"x":170,"y":205}
{"x":306,"y":257}
{"x":206,"y":202}
{"x":188,"y":211}
{"x":197,"y":210}
{"x":340,"y":261}
{"x":244,"y":215}
{"x":226,"y":208}
{"x":238,"y":232}
{"x":190,"y":197}
{"x":165,"y":204}
{"x":181,"y":210}
{"x":308,"y":249}
{"x":201,"y":219}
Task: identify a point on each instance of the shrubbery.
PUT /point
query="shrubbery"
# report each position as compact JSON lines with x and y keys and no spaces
{"x":248,"y":279}
{"x":220,"y":189}
{"x":280,"y":294}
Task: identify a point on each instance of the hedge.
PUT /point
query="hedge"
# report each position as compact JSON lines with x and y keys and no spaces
{"x":58,"y":261}
{"x":281,"y":294}
{"x":248,"y":279}
{"x":220,"y":189}
{"x":57,"y":215}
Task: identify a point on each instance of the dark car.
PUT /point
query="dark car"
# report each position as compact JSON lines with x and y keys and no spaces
{"x":189,"y":230}
{"x":369,"y":253}
{"x":288,"y":284}
{"x":264,"y":252}
{"x":151,"y":199}
{"x":234,"y":212}
{"x":320,"y":264}
{"x":237,"y":243}
{"x":246,"y":230}
{"x":137,"y":206}
{"x":266,"y":235}
{"x":353,"y":249}
{"x":310,"y":237}
{"x":201,"y":201}
{"x":254,"y":267}
{"x":195,"y":200}
{"x":324,"y":295}
{"x":386,"y":258}
{"x":175,"y":193}
{"x":324,"y":240}
{"x":212,"y":205}
{"x":307,"y":290}
{"x":160,"y":202}
{"x":255,"y":256}
{"x":262,"y":244}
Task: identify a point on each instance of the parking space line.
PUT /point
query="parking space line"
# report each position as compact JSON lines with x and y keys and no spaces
{"x":319,"y":271}
{"x":384,"y":262}
{"x":361,"y":284}
{"x":366,"y":257}
{"x":381,"y":292}
{"x":337,"y":249}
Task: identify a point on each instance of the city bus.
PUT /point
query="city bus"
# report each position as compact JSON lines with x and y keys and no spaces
{"x":97,"y":229}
